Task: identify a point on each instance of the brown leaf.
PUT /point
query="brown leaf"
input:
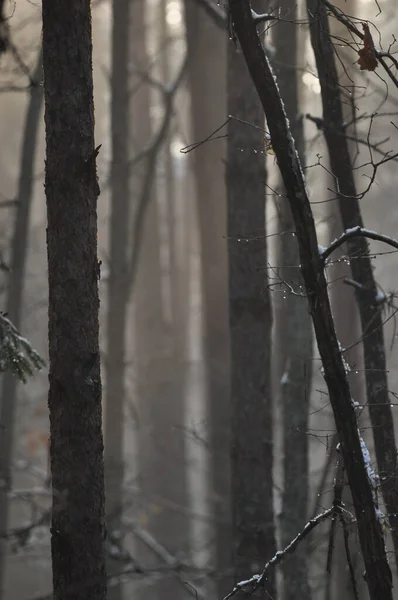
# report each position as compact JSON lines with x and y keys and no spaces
{"x":367,"y":55}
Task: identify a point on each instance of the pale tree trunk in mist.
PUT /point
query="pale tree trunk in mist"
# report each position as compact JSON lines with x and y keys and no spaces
{"x":177,"y":224}
{"x":296,"y":331}
{"x":250,"y":320}
{"x":14,"y":303}
{"x":161,"y":409}
{"x":207,"y":81}
{"x":118,"y":287}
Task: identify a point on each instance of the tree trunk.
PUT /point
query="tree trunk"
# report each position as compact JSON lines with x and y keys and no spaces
{"x":118,"y":288}
{"x":207,"y":84}
{"x":250,"y":319}
{"x":297,"y":332}
{"x":15,"y":296}
{"x":377,"y":390}
{"x":76,"y":446}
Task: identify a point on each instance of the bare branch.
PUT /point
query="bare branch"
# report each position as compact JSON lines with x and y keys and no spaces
{"x":357,"y":232}
{"x":250,"y":585}
{"x":340,"y":16}
{"x":151,"y":153}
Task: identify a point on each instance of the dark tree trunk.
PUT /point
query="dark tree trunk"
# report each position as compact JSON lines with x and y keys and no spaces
{"x":370,"y":312}
{"x":19,"y":252}
{"x":250,"y":320}
{"x":378,"y":573}
{"x":76,"y":448}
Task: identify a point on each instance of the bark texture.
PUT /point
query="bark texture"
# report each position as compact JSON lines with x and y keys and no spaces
{"x":76,"y":447}
{"x":370,"y":312}
{"x":250,"y":320}
{"x":378,"y":574}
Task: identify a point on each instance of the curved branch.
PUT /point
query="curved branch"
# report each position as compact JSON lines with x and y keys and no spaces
{"x":357,"y":232}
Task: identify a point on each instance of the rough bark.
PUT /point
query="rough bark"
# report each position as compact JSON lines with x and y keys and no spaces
{"x":296,"y":331}
{"x":76,"y":446}
{"x":378,"y":573}
{"x":370,"y":313}
{"x":118,"y":288}
{"x":250,"y":320}
{"x":207,"y":84}
{"x":15,"y":295}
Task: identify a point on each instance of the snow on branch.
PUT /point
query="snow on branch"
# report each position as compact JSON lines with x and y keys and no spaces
{"x":16,"y":353}
{"x":250,"y":585}
{"x":356,"y":232}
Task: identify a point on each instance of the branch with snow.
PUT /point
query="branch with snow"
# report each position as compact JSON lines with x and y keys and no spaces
{"x":356,"y":232}
{"x":250,"y":585}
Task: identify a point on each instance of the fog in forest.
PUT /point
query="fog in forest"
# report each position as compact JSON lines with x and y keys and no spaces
{"x":220,"y":441}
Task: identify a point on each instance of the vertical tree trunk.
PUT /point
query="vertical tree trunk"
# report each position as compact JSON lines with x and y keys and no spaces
{"x":250,"y":319}
{"x":118,"y":288}
{"x":297,"y":332}
{"x":15,"y":295}
{"x":76,"y":446}
{"x":207,"y":82}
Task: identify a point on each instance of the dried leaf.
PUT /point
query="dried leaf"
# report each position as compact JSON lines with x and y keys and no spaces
{"x":268,"y":146}
{"x":367,"y":55}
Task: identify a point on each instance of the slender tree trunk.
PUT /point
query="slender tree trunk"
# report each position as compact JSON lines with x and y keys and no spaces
{"x":250,"y":318}
{"x":207,"y":82}
{"x":297,"y":332}
{"x":76,"y":446}
{"x":15,"y":296}
{"x":370,"y":314}
{"x":118,"y":289}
